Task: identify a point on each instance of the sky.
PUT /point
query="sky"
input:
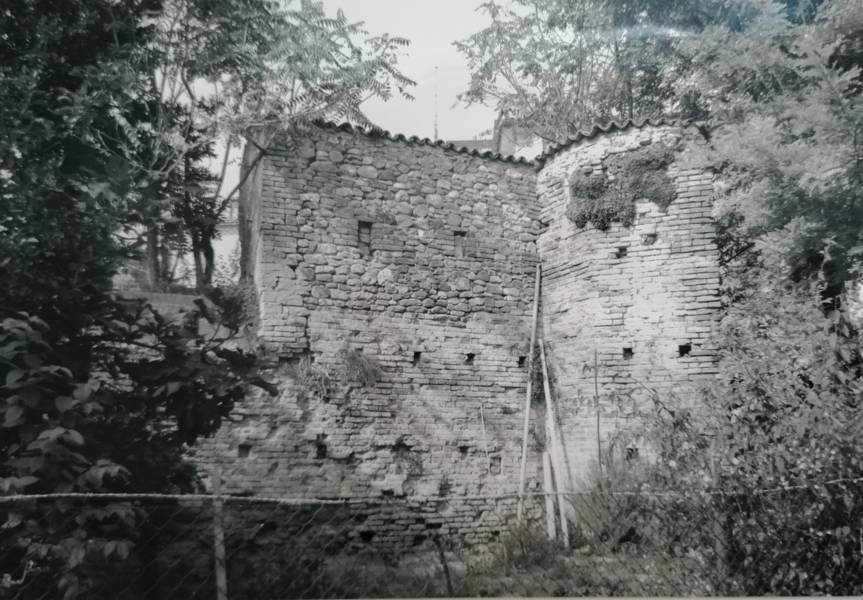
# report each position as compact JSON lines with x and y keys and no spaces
{"x":431,"y":26}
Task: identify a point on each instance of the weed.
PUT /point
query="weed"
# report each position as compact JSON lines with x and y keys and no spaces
{"x":359,"y":367}
{"x":313,"y":381}
{"x":526,"y":545}
{"x":602,"y":199}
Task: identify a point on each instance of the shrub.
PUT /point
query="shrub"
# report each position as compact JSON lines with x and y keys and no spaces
{"x":526,"y":545}
{"x":359,"y":367}
{"x":604,"y":198}
{"x":314,"y":381}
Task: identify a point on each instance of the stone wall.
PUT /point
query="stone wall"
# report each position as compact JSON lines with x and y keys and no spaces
{"x":643,"y":298}
{"x":417,"y":259}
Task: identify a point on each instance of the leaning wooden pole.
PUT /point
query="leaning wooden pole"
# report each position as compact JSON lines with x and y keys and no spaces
{"x":523,"y":475}
{"x":484,"y":439}
{"x":548,"y":492}
{"x":561,"y":473}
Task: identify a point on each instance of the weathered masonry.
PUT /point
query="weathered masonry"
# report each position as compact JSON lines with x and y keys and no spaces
{"x":394,"y":277}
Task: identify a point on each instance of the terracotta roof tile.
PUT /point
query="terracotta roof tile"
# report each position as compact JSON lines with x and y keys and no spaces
{"x":414,"y":140}
{"x":596,"y":130}
{"x":610,"y":127}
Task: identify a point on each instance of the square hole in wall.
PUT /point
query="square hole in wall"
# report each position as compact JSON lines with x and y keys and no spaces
{"x":621,"y":252}
{"x":320,"y":450}
{"x":648,"y":239}
{"x":684,"y":349}
{"x":416,"y":359}
{"x":628,"y":353}
{"x":243,"y":450}
{"x":522,"y":360}
{"x":469,"y":358}
{"x":364,"y":237}
{"x":458,"y":243}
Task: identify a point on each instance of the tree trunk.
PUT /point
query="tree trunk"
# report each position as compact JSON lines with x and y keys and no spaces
{"x":209,"y":255}
{"x":154,"y":271}
{"x":196,"y":254}
{"x":165,"y":266}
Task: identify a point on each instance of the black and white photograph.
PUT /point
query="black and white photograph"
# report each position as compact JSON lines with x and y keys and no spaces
{"x":430,"y":298}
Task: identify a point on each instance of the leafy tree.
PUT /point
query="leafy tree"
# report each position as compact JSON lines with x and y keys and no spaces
{"x":222,"y":72}
{"x":101,"y":393}
{"x":788,"y":143}
{"x":556,"y":65}
{"x":774,"y":439}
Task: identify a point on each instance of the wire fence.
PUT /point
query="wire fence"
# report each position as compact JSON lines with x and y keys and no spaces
{"x":674,"y":543}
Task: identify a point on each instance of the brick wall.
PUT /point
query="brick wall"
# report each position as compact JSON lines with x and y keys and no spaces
{"x":420,"y":257}
{"x":640,"y":311}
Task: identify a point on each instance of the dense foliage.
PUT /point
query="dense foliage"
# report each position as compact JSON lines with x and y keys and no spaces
{"x":215,"y":75}
{"x":601,"y":198}
{"x":99,"y":393}
{"x":770,"y":455}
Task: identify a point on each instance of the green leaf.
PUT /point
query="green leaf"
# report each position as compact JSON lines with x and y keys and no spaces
{"x":13,"y":376}
{"x":76,"y":556}
{"x":14,"y":416}
{"x":82,"y":391}
{"x":13,"y":520}
{"x":123,"y":549}
{"x":109,"y":548}
{"x":64,"y":403}
{"x":73,"y":437}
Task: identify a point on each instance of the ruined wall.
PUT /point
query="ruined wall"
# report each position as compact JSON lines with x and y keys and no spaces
{"x":417,"y":260}
{"x":419,"y":257}
{"x":643,"y":297}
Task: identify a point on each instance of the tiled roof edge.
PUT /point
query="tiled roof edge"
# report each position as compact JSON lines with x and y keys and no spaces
{"x":611,"y":127}
{"x":376,"y":132}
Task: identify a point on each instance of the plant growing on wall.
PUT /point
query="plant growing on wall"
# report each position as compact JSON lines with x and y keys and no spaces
{"x":314,"y":382}
{"x":608,"y":196}
{"x":597,"y":200}
{"x":318,"y":382}
{"x":359,"y":367}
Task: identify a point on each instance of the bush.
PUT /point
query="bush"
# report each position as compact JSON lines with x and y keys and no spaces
{"x":314,"y":381}
{"x":359,"y":367}
{"x":770,"y":462}
{"x":526,"y":545}
{"x":604,"y":198}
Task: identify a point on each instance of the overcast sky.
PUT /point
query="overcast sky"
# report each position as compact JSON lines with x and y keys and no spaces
{"x":431,"y":26}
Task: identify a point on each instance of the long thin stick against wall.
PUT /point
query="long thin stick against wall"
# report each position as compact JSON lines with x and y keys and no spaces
{"x":596,"y":406}
{"x":484,"y":437}
{"x":561,"y":473}
{"x":523,"y":474}
{"x":548,"y":490}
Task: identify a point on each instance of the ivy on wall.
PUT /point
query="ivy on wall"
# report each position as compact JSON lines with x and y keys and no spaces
{"x":609,"y":195}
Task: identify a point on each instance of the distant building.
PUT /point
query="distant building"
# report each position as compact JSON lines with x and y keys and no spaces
{"x":508,"y":139}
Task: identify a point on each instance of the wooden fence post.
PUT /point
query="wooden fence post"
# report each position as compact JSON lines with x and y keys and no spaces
{"x":219,"y":537}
